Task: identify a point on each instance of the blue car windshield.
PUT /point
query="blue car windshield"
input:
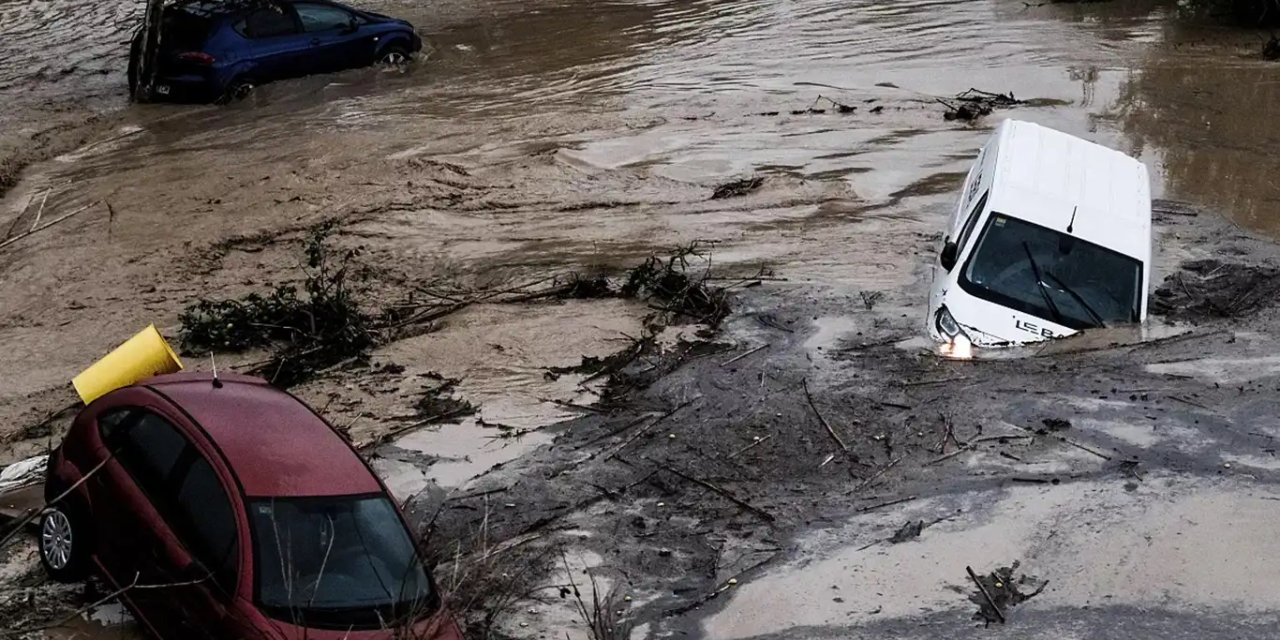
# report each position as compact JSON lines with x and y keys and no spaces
{"x":336,"y":561}
{"x":1053,"y":275}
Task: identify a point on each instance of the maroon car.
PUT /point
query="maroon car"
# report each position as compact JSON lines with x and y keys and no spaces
{"x":228,"y":509}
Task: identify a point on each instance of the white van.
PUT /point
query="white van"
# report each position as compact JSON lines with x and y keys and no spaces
{"x":1052,"y":235}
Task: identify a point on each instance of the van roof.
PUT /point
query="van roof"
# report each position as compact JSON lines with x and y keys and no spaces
{"x":1047,"y":177}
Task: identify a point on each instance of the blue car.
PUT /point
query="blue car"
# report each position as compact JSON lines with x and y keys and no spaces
{"x":212,"y":50}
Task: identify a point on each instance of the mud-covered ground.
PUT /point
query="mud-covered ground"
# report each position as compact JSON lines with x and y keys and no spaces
{"x":706,"y":496}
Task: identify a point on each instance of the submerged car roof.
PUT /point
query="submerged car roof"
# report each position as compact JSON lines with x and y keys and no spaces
{"x":274,"y":444}
{"x":1048,"y":177}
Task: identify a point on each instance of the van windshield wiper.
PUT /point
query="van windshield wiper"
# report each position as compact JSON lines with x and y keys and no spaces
{"x":1040,"y":285}
{"x":1097,"y":318}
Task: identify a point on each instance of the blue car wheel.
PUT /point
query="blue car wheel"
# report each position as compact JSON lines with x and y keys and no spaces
{"x":394,"y":56}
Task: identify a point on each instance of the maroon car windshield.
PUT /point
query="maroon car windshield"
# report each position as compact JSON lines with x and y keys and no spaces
{"x":336,"y":562}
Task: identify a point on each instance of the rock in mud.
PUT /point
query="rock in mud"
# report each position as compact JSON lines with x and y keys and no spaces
{"x":909,"y":531}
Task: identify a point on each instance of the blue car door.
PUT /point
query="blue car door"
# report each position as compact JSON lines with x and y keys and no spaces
{"x":335,"y":36}
{"x":277,"y":48}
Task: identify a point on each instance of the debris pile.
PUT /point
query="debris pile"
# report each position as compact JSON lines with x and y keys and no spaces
{"x":737,"y":188}
{"x":306,"y":330}
{"x":1271,"y":48}
{"x":667,"y":281}
{"x":1215,"y":289}
{"x":1000,"y":590}
{"x":975,"y":103}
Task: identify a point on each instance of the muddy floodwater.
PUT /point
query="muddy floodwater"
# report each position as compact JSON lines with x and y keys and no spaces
{"x":537,"y":138}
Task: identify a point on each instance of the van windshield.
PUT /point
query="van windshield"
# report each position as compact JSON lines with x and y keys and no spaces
{"x":336,"y":562}
{"x":1052,"y":275}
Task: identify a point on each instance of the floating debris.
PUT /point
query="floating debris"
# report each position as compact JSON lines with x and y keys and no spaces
{"x":975,"y":103}
{"x":738,"y":187}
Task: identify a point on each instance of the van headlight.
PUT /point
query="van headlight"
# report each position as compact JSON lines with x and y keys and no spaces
{"x":948,"y":325}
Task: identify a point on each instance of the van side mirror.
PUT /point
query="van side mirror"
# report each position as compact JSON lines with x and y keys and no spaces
{"x":948,"y":257}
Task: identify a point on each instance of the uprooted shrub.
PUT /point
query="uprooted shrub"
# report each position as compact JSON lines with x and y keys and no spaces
{"x":307,"y":330}
{"x":668,"y":282}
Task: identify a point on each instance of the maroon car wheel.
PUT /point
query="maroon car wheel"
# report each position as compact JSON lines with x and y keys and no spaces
{"x":64,"y":544}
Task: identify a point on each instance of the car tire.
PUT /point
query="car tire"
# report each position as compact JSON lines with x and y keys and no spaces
{"x":65,"y":542}
{"x":237,"y":90}
{"x":394,"y":56}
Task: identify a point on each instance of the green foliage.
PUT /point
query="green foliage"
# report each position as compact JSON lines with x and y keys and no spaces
{"x":307,"y":330}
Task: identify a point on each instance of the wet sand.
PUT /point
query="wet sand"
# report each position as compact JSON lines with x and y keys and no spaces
{"x":540,"y":138}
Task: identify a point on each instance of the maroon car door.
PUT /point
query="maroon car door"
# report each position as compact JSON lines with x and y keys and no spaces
{"x":129,"y":540}
{"x":204,"y":522}
{"x":135,"y":497}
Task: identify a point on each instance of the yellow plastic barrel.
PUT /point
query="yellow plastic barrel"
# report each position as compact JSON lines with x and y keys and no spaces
{"x":142,"y":356}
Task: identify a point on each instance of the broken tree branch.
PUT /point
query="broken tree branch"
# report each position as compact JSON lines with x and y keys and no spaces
{"x":764,"y":515}
{"x":650,"y":426}
{"x":1073,"y":443}
{"x":986,"y":594}
{"x":50,"y":224}
{"x":834,"y":436}
{"x":382,"y":439}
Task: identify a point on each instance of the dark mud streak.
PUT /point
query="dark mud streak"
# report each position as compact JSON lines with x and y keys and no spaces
{"x":1098,"y":622}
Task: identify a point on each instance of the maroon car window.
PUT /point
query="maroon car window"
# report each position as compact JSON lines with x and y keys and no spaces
{"x":204,"y":519}
{"x":149,"y":449}
{"x":109,"y":422}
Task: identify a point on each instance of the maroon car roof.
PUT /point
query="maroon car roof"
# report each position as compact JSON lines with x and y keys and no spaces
{"x":274,"y":443}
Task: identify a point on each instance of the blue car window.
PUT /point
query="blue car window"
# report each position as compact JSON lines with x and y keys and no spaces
{"x":267,"y":22}
{"x":322,"y":17}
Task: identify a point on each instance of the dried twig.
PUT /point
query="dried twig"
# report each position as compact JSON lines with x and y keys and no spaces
{"x":886,"y":504}
{"x":40,"y":211}
{"x":741,"y":356}
{"x":748,"y":447}
{"x":101,"y":601}
{"x":920,"y":383}
{"x":50,"y":224}
{"x":865,"y":483}
{"x":947,"y":456}
{"x":724,"y":586}
{"x":32,"y":514}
